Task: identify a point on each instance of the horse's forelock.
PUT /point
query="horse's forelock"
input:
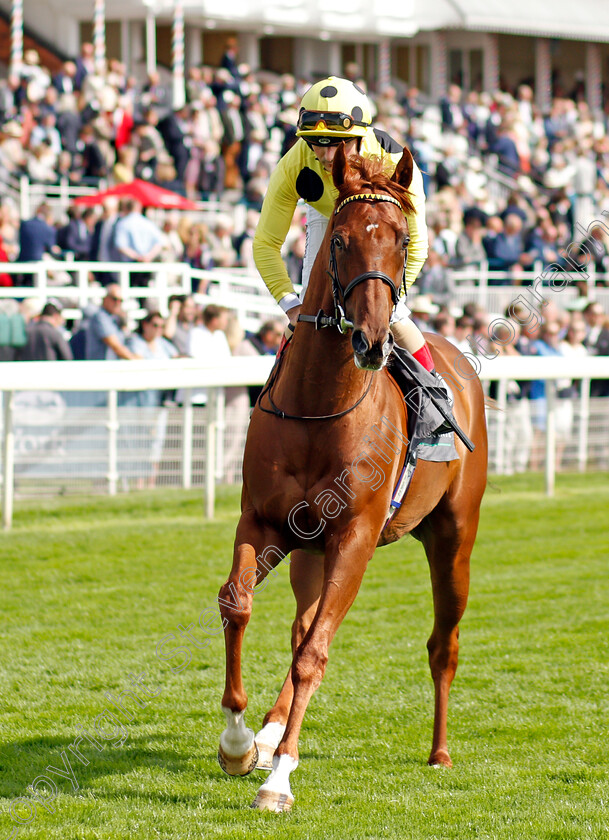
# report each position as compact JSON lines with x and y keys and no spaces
{"x":369,"y":175}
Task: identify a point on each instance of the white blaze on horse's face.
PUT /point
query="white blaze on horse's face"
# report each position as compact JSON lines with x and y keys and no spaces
{"x":372,"y":228}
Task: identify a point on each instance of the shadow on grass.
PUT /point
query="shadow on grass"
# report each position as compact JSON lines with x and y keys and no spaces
{"x":23,"y":761}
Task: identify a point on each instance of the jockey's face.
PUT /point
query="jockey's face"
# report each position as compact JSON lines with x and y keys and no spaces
{"x":325,"y":154}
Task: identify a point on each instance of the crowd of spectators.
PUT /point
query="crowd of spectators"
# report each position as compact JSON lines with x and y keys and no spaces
{"x":86,"y":126}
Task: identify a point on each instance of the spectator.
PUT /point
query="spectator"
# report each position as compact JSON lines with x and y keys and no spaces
{"x":208,"y":342}
{"x":92,"y":164}
{"x":180,"y":323}
{"x":265,"y":342}
{"x":76,"y":237}
{"x":221,"y":242}
{"x":518,"y":429}
{"x":597,"y":342}
{"x":234,"y":135}
{"x":12,"y":331}
{"x":548,"y":344}
{"x":469,"y":250}
{"x":506,"y":250}
{"x":104,"y":338}
{"x":45,"y":341}
{"x":148,"y":342}
{"x":175,"y":133}
{"x":37,"y":237}
{"x":137,"y":239}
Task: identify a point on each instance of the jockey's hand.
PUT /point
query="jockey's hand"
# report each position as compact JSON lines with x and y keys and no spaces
{"x":293,"y":314}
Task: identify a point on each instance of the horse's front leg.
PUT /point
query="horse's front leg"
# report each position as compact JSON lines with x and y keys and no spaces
{"x":306,"y":578}
{"x":238,"y":753}
{"x":345,"y":564}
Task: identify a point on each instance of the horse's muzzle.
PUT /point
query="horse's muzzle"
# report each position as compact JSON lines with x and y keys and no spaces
{"x":370,"y":356}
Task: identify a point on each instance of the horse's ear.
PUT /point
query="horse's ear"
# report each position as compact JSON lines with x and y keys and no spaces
{"x":403,"y":171}
{"x":339,"y":166}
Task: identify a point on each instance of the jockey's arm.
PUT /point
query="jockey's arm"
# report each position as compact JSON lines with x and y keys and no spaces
{"x":417,"y":226}
{"x":271,"y":232}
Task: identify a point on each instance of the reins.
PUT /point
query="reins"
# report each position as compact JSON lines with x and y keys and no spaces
{"x":339,"y":296}
{"x":282,"y":414}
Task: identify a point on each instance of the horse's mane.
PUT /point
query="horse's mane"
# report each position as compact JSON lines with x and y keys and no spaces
{"x":369,"y":175}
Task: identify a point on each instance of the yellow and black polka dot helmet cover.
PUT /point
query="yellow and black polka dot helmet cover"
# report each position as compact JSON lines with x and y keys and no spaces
{"x":334,"y":107}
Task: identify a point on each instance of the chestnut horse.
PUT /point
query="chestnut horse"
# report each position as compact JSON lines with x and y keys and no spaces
{"x":324,"y":452}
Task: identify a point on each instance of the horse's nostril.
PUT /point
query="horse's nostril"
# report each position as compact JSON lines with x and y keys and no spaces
{"x":360,"y":342}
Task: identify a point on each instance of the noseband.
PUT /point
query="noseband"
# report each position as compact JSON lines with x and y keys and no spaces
{"x":340,"y":295}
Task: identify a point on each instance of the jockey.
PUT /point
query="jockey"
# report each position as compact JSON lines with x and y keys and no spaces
{"x":305,"y":172}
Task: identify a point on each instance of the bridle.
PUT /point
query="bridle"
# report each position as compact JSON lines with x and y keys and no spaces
{"x":340,"y":294}
{"x":339,"y":297}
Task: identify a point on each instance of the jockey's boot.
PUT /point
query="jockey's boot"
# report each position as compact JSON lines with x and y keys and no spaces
{"x":442,"y":394}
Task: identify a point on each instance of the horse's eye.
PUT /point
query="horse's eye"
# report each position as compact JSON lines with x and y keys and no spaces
{"x":405,"y":242}
{"x":337,"y":241}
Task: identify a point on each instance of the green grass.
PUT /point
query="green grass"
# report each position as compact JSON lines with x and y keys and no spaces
{"x":89,"y":588}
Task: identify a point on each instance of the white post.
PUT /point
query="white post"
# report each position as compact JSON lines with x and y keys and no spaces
{"x":112,"y":426}
{"x":126,"y":54}
{"x":187,"y":430}
{"x":221,"y":427}
{"x":210,"y":455}
{"x":501,"y":424}
{"x":550,"y":436}
{"x":438,"y":65}
{"x":99,"y":36}
{"x":16,"y":39}
{"x":177,"y":44}
{"x":584,"y":420}
{"x":24,"y":197}
{"x":491,"y":63}
{"x":8,"y":461}
{"x":543,"y":74}
{"x":384,"y":64}
{"x":150,"y":42}
{"x":594,"y":73}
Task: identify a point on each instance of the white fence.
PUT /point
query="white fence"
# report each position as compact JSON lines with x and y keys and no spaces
{"x":69,"y":283}
{"x":245,"y":293}
{"x":51,"y":446}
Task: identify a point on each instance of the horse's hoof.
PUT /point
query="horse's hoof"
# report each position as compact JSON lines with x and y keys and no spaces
{"x":440,"y":758}
{"x":239,"y":765}
{"x":265,"y":756}
{"x":268,"y":800}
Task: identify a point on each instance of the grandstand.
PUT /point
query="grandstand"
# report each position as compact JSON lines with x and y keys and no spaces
{"x":506,"y":112}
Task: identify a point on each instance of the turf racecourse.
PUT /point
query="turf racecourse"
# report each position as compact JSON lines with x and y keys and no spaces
{"x":90,"y":587}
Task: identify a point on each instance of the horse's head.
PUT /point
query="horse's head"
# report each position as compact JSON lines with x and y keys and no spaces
{"x":369,"y":237}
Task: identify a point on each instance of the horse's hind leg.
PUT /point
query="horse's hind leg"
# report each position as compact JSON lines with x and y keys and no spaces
{"x":238,"y":753}
{"x":448,"y":545}
{"x":306,"y":577}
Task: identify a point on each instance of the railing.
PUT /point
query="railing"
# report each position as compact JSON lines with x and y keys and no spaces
{"x":50,"y":446}
{"x":60,"y":196}
{"x":245,"y":294}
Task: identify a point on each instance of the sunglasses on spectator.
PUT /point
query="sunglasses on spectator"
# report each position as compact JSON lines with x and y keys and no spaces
{"x":117,"y":299}
{"x":157,"y":324}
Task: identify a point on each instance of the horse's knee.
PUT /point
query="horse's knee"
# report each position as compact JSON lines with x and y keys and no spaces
{"x":299,"y":630}
{"x":443,"y":650}
{"x":309,"y":665}
{"x":235,"y":603}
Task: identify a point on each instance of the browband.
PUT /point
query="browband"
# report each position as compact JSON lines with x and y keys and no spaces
{"x":368,"y":197}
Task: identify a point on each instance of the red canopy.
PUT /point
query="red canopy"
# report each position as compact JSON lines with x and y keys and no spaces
{"x":147,"y":194}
